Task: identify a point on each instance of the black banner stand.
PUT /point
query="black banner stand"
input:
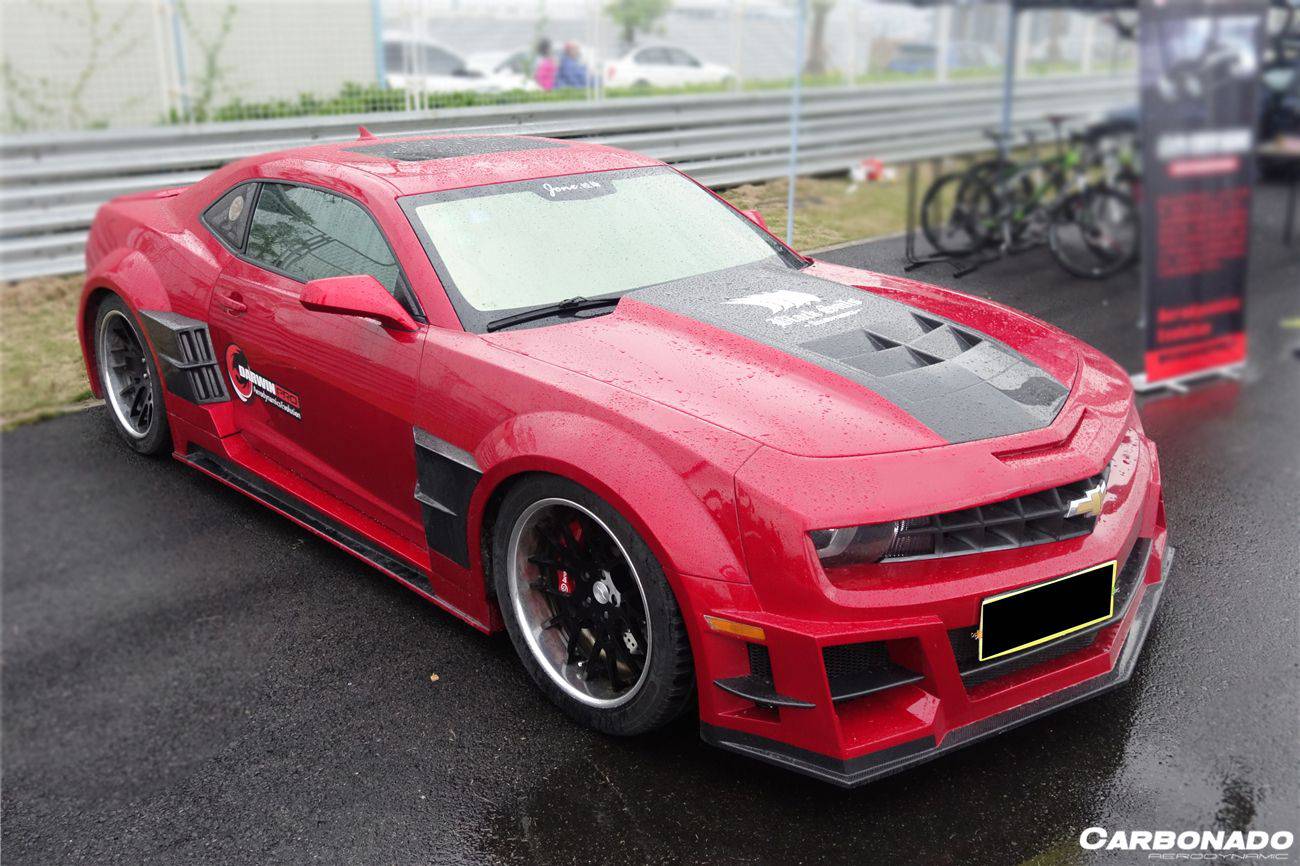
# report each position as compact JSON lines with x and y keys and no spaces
{"x":1200,"y":62}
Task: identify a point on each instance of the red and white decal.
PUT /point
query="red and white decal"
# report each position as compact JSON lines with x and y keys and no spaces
{"x":247,"y":383}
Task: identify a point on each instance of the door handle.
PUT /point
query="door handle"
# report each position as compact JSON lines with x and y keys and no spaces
{"x":232,"y":303}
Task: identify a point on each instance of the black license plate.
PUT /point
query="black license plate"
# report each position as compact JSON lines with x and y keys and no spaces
{"x":1024,"y":618}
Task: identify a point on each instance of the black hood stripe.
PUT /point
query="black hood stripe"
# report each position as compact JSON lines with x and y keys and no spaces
{"x":961,"y":383}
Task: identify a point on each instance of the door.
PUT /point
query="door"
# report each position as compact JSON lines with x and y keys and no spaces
{"x":655,"y":68}
{"x":328,"y":397}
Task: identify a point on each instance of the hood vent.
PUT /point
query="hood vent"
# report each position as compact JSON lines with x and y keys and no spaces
{"x":962,"y":384}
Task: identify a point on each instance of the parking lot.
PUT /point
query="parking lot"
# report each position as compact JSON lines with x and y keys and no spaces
{"x":190,"y":678}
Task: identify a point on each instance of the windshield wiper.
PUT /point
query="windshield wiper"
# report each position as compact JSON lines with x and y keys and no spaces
{"x":569,"y":305}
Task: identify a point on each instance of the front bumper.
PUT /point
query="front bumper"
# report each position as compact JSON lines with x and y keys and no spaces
{"x":881,"y":672}
{"x":850,"y":772}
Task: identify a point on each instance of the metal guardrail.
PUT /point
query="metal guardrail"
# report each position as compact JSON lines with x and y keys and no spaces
{"x":52,"y":184}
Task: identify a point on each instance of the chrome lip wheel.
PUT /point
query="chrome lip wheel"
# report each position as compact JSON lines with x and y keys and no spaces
{"x":578,"y":600}
{"x":125,"y":375}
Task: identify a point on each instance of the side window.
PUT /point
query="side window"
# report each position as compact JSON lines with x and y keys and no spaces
{"x":440,"y":62}
{"x":681,"y":58}
{"x":653,"y":57}
{"x":228,"y":216}
{"x":517,"y":63}
{"x":310,"y":234}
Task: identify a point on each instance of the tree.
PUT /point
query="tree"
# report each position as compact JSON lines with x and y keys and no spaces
{"x":818,"y":59}
{"x":210,"y":74}
{"x":636,"y":15}
{"x":43,"y":101}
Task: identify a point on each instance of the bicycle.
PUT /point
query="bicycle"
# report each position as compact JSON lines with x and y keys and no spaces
{"x":1074,"y":201}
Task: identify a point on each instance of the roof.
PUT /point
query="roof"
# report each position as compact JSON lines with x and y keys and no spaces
{"x":437,"y":162}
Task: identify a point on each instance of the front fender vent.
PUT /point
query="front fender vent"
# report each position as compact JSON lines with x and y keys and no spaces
{"x":185,"y":354}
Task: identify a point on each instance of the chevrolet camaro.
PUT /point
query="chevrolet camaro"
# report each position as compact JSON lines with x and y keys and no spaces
{"x":563,"y":391}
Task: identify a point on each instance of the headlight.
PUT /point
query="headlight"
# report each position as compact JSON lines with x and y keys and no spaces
{"x":853,"y":544}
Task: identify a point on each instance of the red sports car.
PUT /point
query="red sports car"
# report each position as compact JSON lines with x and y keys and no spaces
{"x":563,"y":390}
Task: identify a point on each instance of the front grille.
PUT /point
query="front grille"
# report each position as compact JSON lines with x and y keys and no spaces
{"x":857,"y":669}
{"x":757,"y":685}
{"x":1036,"y":518}
{"x":965,"y":648}
{"x":846,"y":660}
{"x":760,"y":663}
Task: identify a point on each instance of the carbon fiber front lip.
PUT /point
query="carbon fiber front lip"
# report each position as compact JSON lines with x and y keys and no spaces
{"x":857,"y":771}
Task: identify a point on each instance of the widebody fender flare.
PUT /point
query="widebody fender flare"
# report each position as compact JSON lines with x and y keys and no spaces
{"x":684,"y":511}
{"x":130,"y":275}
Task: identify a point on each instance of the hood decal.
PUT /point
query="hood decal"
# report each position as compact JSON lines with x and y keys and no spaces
{"x":959,"y":382}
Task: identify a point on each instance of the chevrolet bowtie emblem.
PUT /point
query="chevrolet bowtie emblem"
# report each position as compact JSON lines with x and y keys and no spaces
{"x":1088,"y":504}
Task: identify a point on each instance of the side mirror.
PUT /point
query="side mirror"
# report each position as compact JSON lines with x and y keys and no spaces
{"x":756,"y":218}
{"x":362,"y":296}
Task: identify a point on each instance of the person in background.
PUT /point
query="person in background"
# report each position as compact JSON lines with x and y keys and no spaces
{"x":544,"y":71}
{"x":573,"y":72}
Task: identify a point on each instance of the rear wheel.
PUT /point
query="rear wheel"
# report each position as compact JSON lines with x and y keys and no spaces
{"x":132,"y":389}
{"x":588,"y":608}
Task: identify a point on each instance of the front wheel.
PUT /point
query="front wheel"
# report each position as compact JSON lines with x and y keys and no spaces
{"x":127,"y":374}
{"x":588,"y":609}
{"x":1094,"y":233}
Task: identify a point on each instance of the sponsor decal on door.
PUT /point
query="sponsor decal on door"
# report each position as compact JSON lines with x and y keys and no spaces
{"x":247,"y":383}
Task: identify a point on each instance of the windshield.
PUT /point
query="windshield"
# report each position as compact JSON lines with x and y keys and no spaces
{"x":510,"y":247}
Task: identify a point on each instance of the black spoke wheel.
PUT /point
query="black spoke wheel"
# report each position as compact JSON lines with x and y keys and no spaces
{"x":588,"y":608}
{"x":129,"y":379}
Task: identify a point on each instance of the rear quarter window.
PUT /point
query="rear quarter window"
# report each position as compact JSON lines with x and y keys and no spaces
{"x":228,"y":216}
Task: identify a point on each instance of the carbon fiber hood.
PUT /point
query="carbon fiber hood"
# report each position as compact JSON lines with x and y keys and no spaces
{"x":961,"y":383}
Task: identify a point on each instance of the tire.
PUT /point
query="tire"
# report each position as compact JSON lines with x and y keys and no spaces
{"x":133,"y":393}
{"x":958,"y":214}
{"x":581,"y":646}
{"x":1094,"y":234}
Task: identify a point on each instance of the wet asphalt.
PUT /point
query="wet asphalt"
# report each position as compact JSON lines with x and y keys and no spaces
{"x":189,"y":678}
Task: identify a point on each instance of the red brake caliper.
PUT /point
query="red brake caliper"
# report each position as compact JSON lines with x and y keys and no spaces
{"x":564,"y":583}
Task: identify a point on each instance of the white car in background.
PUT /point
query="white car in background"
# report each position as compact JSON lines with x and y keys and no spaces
{"x":514,"y":69}
{"x":421,"y":64}
{"x":663,"y":66}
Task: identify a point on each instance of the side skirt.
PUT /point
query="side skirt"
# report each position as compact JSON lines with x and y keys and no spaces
{"x":311,"y":518}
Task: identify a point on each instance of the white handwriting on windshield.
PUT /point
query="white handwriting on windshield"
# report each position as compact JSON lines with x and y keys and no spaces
{"x":554,"y":190}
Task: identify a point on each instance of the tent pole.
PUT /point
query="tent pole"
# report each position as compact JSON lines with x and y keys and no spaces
{"x":1009,"y":75}
{"x":796,"y":95}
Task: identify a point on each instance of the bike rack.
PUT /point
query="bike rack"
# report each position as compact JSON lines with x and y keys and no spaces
{"x":961,"y":264}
